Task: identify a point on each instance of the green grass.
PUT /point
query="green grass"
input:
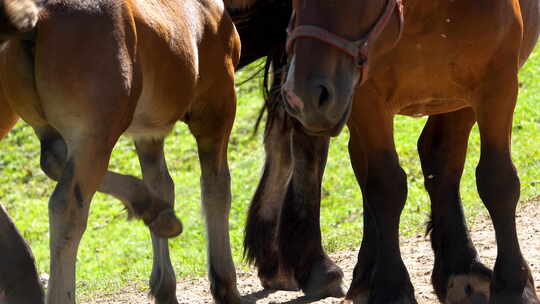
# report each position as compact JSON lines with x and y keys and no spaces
{"x":115,"y":252}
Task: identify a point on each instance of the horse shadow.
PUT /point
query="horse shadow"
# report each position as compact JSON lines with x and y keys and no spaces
{"x":253,"y":297}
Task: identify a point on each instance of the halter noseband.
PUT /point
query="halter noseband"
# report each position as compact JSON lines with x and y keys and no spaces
{"x":358,"y":50}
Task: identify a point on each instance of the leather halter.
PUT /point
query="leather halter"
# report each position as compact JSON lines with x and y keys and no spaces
{"x":358,"y":50}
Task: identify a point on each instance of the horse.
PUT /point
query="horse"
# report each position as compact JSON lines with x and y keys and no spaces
{"x":91,"y":71}
{"x":19,"y":281}
{"x":360,"y":63}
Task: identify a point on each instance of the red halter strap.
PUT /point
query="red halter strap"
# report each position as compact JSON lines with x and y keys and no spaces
{"x":358,"y":50}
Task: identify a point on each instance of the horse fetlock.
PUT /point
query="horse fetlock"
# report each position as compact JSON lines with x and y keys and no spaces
{"x":325,"y":280}
{"x":224,"y":291}
{"x":391,"y":290}
{"x":166,"y":224}
{"x":361,"y":298}
{"x":163,"y":286}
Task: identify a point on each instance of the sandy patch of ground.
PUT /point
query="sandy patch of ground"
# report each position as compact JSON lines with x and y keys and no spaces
{"x":416,"y":252}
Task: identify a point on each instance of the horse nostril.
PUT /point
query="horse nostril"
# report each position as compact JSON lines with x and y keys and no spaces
{"x":324,"y":95}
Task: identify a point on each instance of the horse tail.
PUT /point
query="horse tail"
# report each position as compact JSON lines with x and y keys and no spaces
{"x":18,"y":17}
{"x":273,"y":75}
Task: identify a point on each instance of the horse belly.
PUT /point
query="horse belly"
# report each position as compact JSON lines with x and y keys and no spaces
{"x":159,"y":107}
{"x":433,"y":107}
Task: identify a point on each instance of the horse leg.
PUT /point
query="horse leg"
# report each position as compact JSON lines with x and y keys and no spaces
{"x":363,"y":269}
{"x":19,"y":281}
{"x":498,"y":185}
{"x":131,"y":191}
{"x":159,"y":182}
{"x":299,"y":226}
{"x":260,"y":245}
{"x":211,"y":128}
{"x":87,"y":161}
{"x":380,"y":275}
{"x":8,"y":118}
{"x":458,"y":275}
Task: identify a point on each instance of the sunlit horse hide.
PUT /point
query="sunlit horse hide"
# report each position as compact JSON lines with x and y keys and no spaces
{"x":456,"y":62}
{"x":93,"y":70}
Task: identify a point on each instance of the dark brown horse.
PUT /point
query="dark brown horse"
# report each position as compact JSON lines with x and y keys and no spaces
{"x":455,"y":61}
{"x":94,"y":70}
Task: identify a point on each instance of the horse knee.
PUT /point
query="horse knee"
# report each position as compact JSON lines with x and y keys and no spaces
{"x":386,"y":188}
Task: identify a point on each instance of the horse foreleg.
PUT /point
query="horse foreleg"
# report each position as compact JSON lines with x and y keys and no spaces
{"x":499,"y":187}
{"x":380,"y":275}
{"x":299,"y":226}
{"x":458,"y":275}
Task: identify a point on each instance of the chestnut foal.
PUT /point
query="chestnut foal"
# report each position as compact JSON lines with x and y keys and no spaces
{"x":94,"y":70}
{"x":360,"y":63}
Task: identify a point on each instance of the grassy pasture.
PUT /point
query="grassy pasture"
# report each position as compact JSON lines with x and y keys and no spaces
{"x":115,"y":252}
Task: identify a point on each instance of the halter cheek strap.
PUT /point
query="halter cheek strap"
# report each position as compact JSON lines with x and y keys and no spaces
{"x":359,"y":49}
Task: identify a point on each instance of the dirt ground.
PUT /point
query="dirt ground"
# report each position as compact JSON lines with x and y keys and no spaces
{"x":416,"y":252}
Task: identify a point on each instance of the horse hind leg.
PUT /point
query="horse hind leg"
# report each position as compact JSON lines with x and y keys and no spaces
{"x":158,"y":181}
{"x":69,"y":205}
{"x":211,"y":128}
{"x":458,"y":275}
{"x":19,"y":281}
{"x":8,"y":117}
{"x":131,"y":191}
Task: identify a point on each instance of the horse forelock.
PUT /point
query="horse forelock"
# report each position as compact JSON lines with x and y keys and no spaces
{"x":239,"y":4}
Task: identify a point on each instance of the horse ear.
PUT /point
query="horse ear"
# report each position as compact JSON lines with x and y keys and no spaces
{"x":239,"y":4}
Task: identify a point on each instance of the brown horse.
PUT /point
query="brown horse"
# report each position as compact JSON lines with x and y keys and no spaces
{"x":19,"y":282}
{"x":457,"y":62}
{"x":94,"y":70}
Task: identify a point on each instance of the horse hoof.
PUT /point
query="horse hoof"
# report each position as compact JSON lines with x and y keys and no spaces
{"x":529,"y":293}
{"x":364,"y":299}
{"x":528,"y":296}
{"x":230,"y":297}
{"x":325,"y":281}
{"x":359,"y":299}
{"x":468,"y":288}
{"x":166,"y":225}
{"x":280,"y":281}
